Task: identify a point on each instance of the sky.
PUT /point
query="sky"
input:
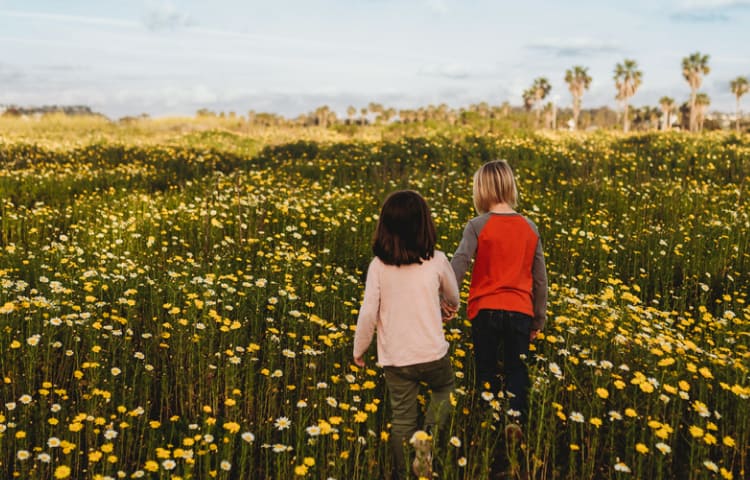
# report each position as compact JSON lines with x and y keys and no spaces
{"x":173,"y":57}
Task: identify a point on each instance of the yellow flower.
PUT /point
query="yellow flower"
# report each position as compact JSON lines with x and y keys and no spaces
{"x":728,"y":441}
{"x":696,"y":431}
{"x":666,"y":362}
{"x":421,"y":436}
{"x":309,"y":461}
{"x":62,"y":471}
{"x":232,"y":427}
{"x":602,"y":393}
{"x":726,"y":474}
{"x":641,"y":448}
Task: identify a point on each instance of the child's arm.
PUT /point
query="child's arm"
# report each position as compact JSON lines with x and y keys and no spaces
{"x":539,"y":289}
{"x":464,"y":253}
{"x":368,"y":314}
{"x":449,"y":296}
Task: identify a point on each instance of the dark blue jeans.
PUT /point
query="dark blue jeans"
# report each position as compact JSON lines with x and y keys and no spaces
{"x":501,"y":332}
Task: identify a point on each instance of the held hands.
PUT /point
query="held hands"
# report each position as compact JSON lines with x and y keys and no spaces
{"x":533,"y":334}
{"x":448,"y":311}
{"x":359,"y":361}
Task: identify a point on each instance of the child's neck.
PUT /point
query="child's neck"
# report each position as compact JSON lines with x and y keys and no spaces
{"x":501,"y":208}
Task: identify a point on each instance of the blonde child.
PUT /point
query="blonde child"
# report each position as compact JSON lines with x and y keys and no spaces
{"x":508,"y":293}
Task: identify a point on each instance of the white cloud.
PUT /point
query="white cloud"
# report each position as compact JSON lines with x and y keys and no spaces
{"x":57,"y":17}
{"x":711,"y":4}
{"x":571,"y":47}
{"x":708,"y":11}
{"x":165,"y":16}
{"x":438,"y":6}
{"x":451,"y":70}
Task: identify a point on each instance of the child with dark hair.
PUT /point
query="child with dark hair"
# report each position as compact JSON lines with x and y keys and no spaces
{"x":406,"y":282}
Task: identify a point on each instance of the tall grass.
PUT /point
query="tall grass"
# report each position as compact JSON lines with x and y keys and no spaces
{"x":186,"y":311}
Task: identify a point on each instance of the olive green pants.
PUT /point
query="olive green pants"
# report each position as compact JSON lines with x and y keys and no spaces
{"x":403,"y":387}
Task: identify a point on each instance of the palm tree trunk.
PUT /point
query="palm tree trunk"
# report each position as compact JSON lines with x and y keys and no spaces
{"x":737,"y":116}
{"x":626,"y":120}
{"x":693,"y":113}
{"x":576,"y":111}
{"x":538,"y":116}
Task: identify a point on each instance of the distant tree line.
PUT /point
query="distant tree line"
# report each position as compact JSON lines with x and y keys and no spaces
{"x":691,"y":115}
{"x":13,"y":110}
{"x":628,"y":78}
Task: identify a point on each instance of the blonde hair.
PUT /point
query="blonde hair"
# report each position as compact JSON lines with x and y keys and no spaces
{"x":494,"y":183}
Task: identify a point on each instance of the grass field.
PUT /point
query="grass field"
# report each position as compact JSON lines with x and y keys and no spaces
{"x":180,"y":303}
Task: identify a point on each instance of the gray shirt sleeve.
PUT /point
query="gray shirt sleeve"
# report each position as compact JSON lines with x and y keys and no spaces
{"x":448,"y":287}
{"x":539,"y":287}
{"x":464,"y":253}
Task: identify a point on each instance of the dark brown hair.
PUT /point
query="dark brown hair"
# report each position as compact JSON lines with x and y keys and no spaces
{"x":405,"y":232}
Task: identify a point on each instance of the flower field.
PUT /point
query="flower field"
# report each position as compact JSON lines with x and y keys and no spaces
{"x":186,"y":310}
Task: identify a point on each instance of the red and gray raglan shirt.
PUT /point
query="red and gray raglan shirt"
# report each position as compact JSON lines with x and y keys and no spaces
{"x":509,"y":271}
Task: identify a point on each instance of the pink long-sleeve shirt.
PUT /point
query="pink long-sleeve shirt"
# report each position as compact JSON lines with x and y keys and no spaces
{"x":403,"y":304}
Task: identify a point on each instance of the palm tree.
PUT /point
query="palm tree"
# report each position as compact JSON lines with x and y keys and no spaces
{"x":667,"y":107}
{"x":539,"y":91}
{"x":351,"y":110}
{"x":387,"y":114}
{"x":739,"y":86}
{"x":693,"y":69}
{"x":578,"y":80}
{"x":505,"y":108}
{"x":528,"y":99}
{"x":627,"y":81}
{"x":702,"y":101}
{"x":549,"y":115}
{"x":321,"y":116}
{"x":376,"y":109}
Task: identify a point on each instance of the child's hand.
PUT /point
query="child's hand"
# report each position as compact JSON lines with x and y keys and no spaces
{"x":533,"y":335}
{"x":448,"y":311}
{"x":359,"y":361}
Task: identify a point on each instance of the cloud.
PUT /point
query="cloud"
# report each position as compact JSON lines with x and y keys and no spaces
{"x":708,"y":11}
{"x":438,"y":6}
{"x":10,"y":74}
{"x":707,"y":16}
{"x":706,"y":4}
{"x":166,"y":16}
{"x":573,"y":47}
{"x":453,"y":71}
{"x":64,"y":18}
